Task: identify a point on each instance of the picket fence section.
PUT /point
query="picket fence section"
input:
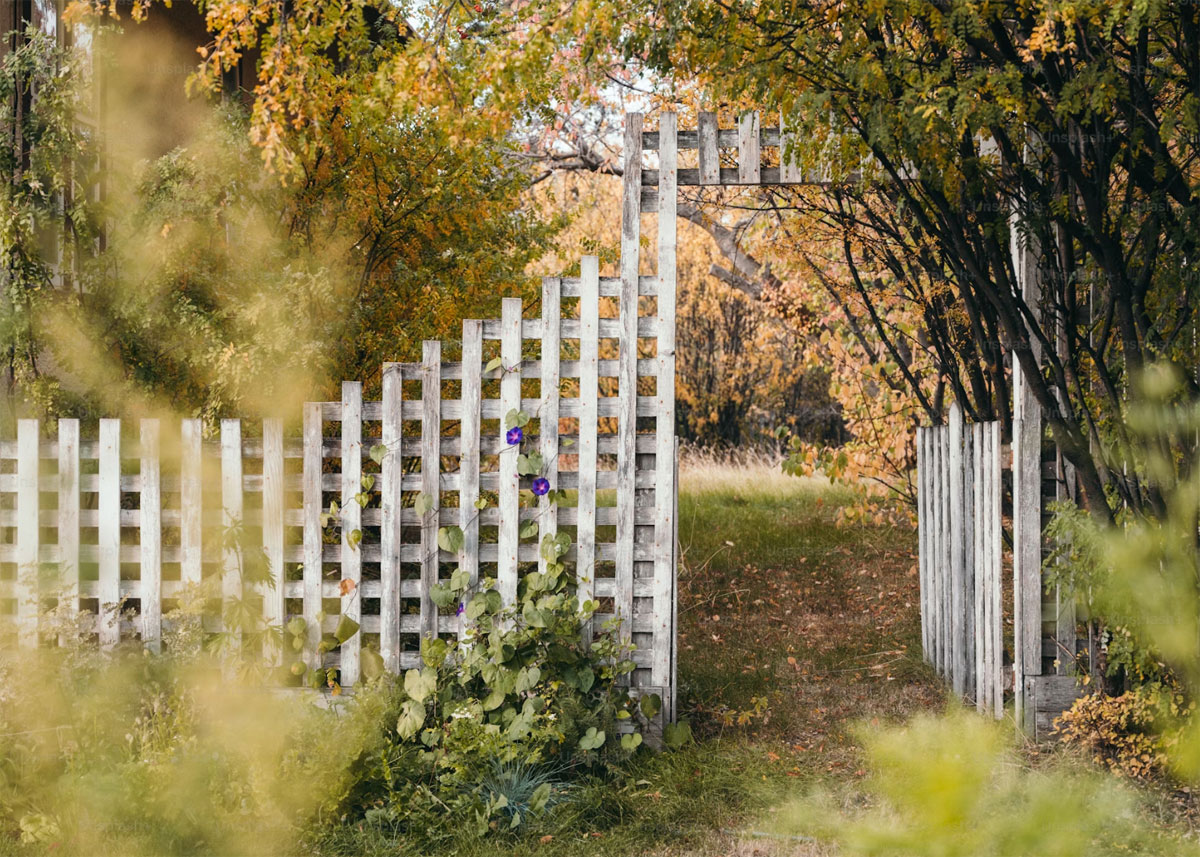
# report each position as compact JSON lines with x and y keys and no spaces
{"x":960,"y":560}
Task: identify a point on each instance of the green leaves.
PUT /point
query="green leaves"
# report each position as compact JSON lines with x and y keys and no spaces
{"x":493,"y":364}
{"x":631,"y":741}
{"x":419,"y":684}
{"x":529,"y":529}
{"x":354,"y":539}
{"x":371,"y":664}
{"x":516,"y":419}
{"x":423,"y":504}
{"x":378,"y":453}
{"x":346,"y":628}
{"x":412,"y":718}
{"x":450,"y":539}
{"x":593,"y":739}
{"x":650,"y":704}
{"x":676,"y":735}
{"x":530,"y":464}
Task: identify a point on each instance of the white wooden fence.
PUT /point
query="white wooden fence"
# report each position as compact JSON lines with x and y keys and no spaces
{"x":959,"y":514}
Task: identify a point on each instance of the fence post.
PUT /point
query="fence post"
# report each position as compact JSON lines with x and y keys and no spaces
{"x":314,"y":561}
{"x":274,"y":609}
{"x":391,"y":514}
{"x":68,"y":514}
{"x":431,"y":465}
{"x":28,"y":530}
{"x":548,"y":417}
{"x":589,"y":391}
{"x":233,"y":516}
{"x":191,"y":503}
{"x":351,"y":541}
{"x":109,"y":533}
{"x":150,"y":537}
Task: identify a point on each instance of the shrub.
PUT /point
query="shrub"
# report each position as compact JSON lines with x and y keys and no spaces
{"x":1132,"y":734}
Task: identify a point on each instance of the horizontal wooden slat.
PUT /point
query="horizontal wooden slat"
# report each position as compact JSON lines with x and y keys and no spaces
{"x":726,"y":138}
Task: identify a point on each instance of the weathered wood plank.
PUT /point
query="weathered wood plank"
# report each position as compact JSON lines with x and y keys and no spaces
{"x":469,"y":449}
{"x":391,"y":503}
{"x":68,"y":515}
{"x":922,"y":538}
{"x":352,"y":534}
{"x":548,"y":413}
{"x":232,"y":513}
{"x":789,"y":156}
{"x":947,"y":567}
{"x":191,"y":502}
{"x":664,"y":421}
{"x":510,"y":400}
{"x":150,"y":536}
{"x":979,"y":570}
{"x":28,"y":532}
{"x":589,"y":349}
{"x":274,"y":610}
{"x":710,"y":161}
{"x":431,"y":465}
{"x":958,"y":608}
{"x":996,"y":563}
{"x":109,"y":533}
{"x":627,"y":381}
{"x":314,"y":503}
{"x":749,"y":150}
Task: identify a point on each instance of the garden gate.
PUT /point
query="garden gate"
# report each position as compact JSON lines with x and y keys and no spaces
{"x":116,"y":528}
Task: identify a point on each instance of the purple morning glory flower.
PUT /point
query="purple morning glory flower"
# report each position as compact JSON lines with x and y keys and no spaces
{"x":541,"y":486}
{"x":462,"y":608}
{"x":514,"y":435}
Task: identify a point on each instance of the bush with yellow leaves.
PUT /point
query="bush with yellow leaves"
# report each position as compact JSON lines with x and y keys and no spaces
{"x":1132,"y":734}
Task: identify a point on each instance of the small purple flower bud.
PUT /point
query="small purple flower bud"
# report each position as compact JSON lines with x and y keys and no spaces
{"x":514,"y":435}
{"x":462,"y":608}
{"x":541,"y":486}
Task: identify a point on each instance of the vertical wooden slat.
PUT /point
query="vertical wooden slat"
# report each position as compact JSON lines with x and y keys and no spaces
{"x":109,"y":532}
{"x":68,"y":514}
{"x":232,"y":515}
{"x":472,"y":405}
{"x":274,"y":608}
{"x":958,"y":608}
{"x":313,"y":507}
{"x":749,"y":149}
{"x":551,"y":354}
{"x":509,"y":494}
{"x":789,"y":156}
{"x":996,"y":561}
{"x":979,"y":570}
{"x":351,"y":605}
{"x":922,"y":535}
{"x":710,"y":160}
{"x":431,"y":463}
{"x":947,"y":567}
{"x":935,"y":547}
{"x":589,"y":355}
{"x":627,"y":371}
{"x":28,"y":575}
{"x":966,"y":527}
{"x":390,"y":533}
{"x":664,"y":417}
{"x":191,"y":503}
{"x":150,"y":504}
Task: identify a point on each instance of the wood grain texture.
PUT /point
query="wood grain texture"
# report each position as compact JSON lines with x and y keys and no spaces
{"x":749,"y":150}
{"x":627,"y":378}
{"x":150,"y":536}
{"x":509,"y":493}
{"x":664,"y":420}
{"x":109,"y":532}
{"x":589,"y":349}
{"x":391,"y":513}
{"x":351,"y":560}
{"x":28,"y":532}
{"x":469,"y":437}
{"x":548,"y":412}
{"x":274,"y":610}
{"x":314,"y":504}
{"x":709,"y":158}
{"x":431,"y":465}
{"x":68,"y":515}
{"x":191,"y":502}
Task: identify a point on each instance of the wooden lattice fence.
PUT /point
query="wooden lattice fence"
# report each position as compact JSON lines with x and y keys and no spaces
{"x":960,"y":567}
